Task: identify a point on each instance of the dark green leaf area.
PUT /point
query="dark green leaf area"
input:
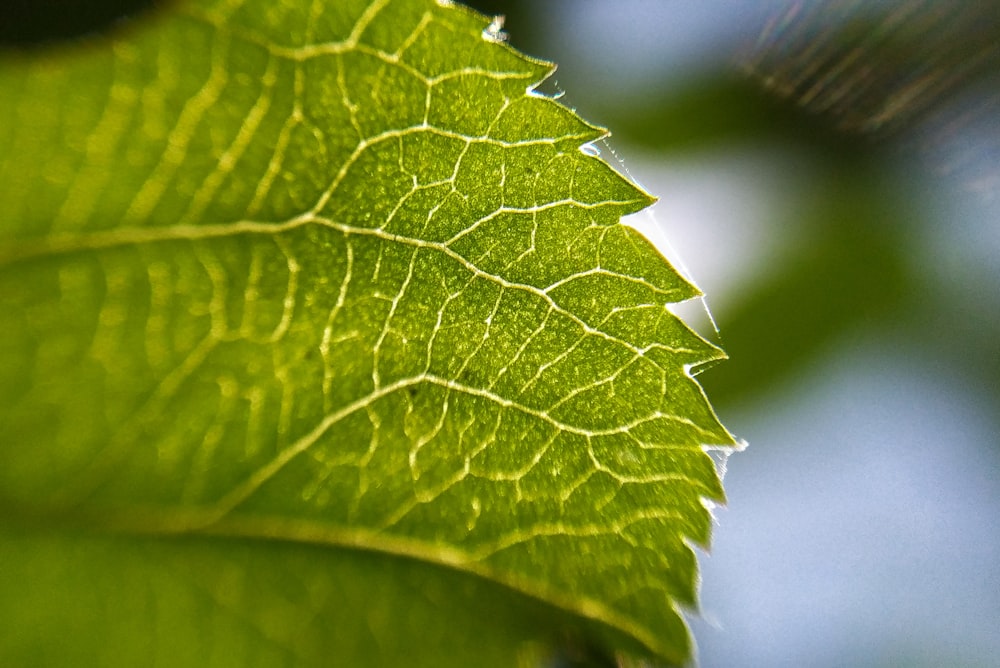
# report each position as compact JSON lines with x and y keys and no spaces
{"x":206,"y":602}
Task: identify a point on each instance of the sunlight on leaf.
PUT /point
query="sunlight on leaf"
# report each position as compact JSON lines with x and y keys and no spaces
{"x":316,"y":317}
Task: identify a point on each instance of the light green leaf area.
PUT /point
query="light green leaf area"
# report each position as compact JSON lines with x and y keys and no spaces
{"x":322,"y":343}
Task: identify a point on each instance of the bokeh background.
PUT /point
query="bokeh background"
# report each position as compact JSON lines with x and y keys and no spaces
{"x":829,"y":174}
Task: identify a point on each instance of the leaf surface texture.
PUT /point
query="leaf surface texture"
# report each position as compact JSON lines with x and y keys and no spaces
{"x":286,"y":283}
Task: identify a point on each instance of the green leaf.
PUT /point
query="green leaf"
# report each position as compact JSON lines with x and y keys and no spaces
{"x":321,"y":337}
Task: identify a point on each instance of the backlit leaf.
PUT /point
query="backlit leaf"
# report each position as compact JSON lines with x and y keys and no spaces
{"x":321,"y":337}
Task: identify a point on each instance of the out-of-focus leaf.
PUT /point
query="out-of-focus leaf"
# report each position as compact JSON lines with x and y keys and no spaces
{"x":848,"y":273}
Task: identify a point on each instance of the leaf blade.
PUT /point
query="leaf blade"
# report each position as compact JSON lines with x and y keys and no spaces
{"x":411,"y":322}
